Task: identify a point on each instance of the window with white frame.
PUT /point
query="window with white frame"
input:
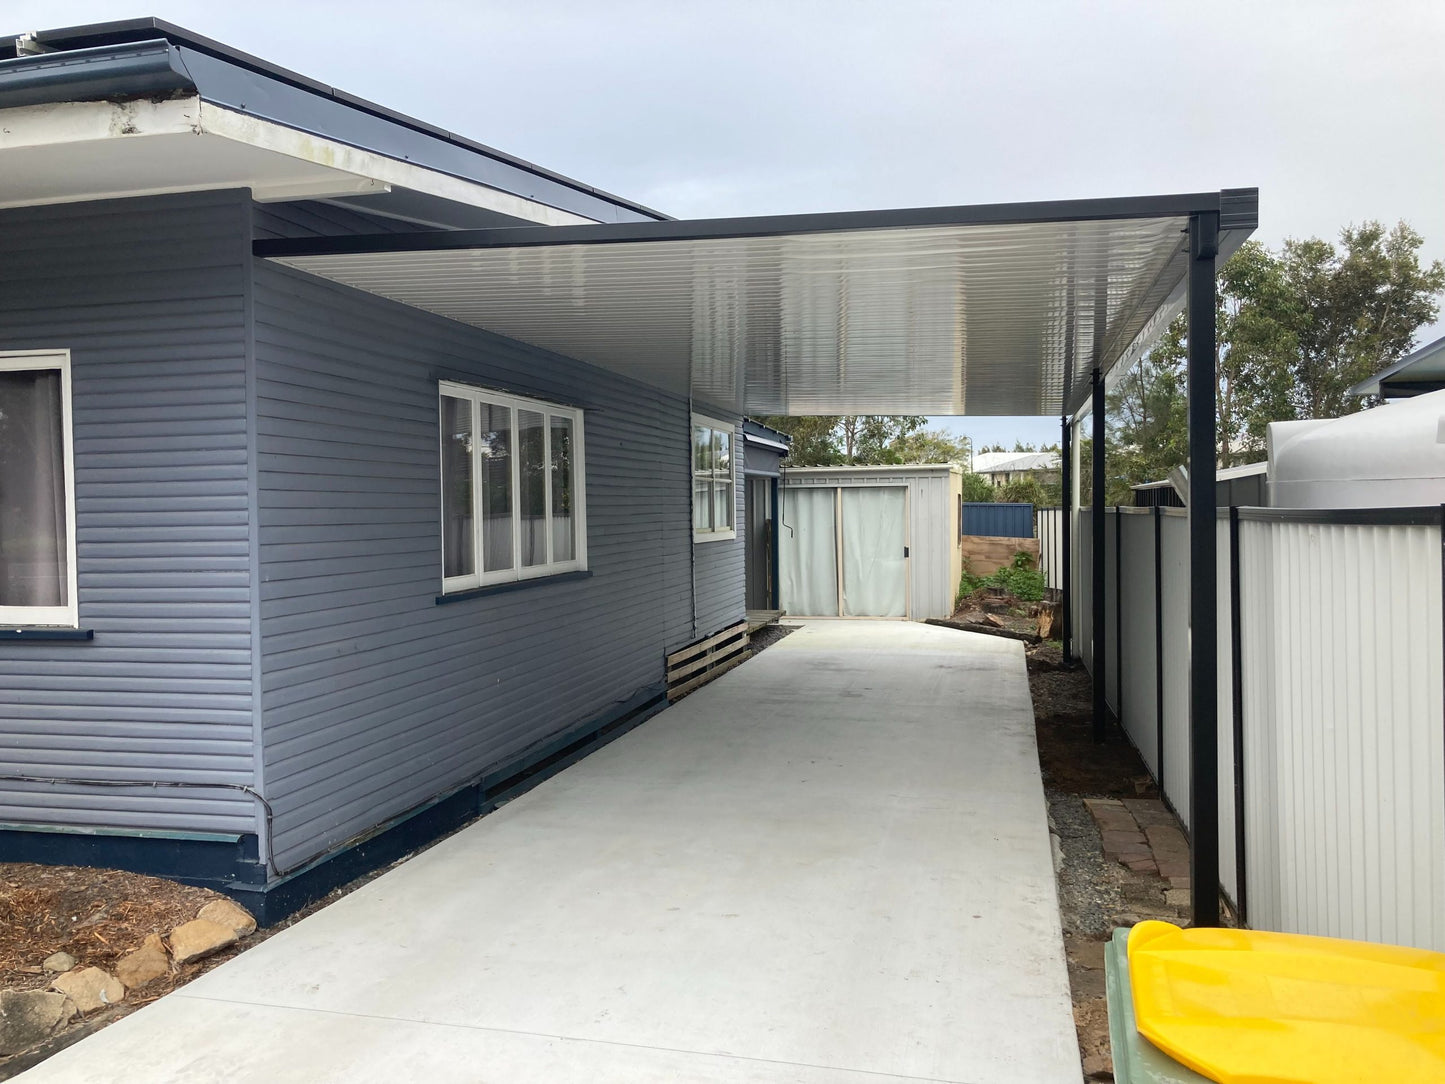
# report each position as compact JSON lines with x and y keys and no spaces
{"x":512,"y":475}
{"x":713,"y":506}
{"x":37,"y":498}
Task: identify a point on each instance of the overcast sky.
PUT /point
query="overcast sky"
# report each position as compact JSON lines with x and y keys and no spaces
{"x":1335,"y":110}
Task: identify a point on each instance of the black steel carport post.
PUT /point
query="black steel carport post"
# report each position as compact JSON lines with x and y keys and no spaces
{"x":1203,"y":575}
{"x":1066,"y":557}
{"x":1096,"y":599}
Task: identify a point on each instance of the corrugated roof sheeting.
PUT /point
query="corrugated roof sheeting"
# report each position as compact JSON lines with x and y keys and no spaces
{"x":959,"y":317}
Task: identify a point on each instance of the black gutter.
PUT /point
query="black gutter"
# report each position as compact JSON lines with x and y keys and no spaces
{"x":237,"y":80}
{"x":707,"y":229}
{"x":148,"y":68}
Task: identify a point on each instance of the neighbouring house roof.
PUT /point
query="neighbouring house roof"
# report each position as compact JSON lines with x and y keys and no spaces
{"x":993,"y":309}
{"x":114,"y":109}
{"x":1416,"y":373}
{"x":999,"y":462}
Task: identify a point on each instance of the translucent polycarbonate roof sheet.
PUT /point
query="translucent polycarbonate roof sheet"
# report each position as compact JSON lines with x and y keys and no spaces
{"x":949,"y":319}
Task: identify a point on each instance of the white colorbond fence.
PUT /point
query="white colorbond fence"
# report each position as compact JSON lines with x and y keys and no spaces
{"x":1341,"y":707}
{"x":1048,"y":527}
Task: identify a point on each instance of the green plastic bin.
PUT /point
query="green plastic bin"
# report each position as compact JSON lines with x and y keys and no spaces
{"x":1136,"y":1059}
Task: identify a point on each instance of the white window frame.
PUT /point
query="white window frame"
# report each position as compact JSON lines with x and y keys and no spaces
{"x":67,"y":616}
{"x":713,"y":534}
{"x":477,"y":395}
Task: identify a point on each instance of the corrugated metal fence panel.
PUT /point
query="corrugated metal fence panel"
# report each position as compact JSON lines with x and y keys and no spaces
{"x":1225,"y":732}
{"x":998,"y":520}
{"x":1345,"y":792}
{"x":149,"y":296}
{"x":374,"y":697}
{"x":1049,"y":522}
{"x":1174,"y":556}
{"x":719,"y":568}
{"x":1137,"y":630}
{"x":1109,"y":656}
{"x":1084,"y":588}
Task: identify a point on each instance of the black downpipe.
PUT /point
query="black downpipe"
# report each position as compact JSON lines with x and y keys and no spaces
{"x":1159,"y":642}
{"x":1236,"y":662}
{"x":775,"y":546}
{"x":1101,"y":705}
{"x":1203,"y":574}
{"x":1066,"y":505}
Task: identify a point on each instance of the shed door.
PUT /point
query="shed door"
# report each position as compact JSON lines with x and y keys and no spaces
{"x":874,"y":547}
{"x":808,"y":550}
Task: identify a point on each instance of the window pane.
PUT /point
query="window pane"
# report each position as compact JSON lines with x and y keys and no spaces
{"x":495,"y":445}
{"x":701,"y":449}
{"x":722,"y":458}
{"x":701,"y":505}
{"x":458,"y":536}
{"x":531,"y":440}
{"x":564,"y":530}
{"x":722,"y":510}
{"x":33,"y":546}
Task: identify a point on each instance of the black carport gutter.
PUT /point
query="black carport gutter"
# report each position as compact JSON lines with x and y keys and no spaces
{"x":1203,"y":575}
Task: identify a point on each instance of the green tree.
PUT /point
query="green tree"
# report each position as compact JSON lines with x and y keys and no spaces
{"x":976,"y":488}
{"x":932,"y":446}
{"x":855,"y":439}
{"x":1346,"y":313}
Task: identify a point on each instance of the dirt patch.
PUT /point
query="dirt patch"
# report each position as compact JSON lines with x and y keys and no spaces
{"x":95,"y":915}
{"x":768,"y":635}
{"x":1096,"y":894}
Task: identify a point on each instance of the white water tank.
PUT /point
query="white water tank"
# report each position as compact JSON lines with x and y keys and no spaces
{"x":1390,"y":457}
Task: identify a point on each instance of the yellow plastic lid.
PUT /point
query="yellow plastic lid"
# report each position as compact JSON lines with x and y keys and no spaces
{"x":1252,"y":1007}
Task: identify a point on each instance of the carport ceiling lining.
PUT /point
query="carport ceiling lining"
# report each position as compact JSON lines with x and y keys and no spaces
{"x":1003,"y":309}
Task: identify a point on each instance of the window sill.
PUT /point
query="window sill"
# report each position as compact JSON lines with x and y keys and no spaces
{"x":512,"y":585}
{"x":713,"y":536}
{"x":40,"y":632}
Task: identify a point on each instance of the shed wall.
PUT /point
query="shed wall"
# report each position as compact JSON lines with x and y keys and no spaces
{"x":149,"y":296}
{"x":374,"y":697}
{"x":932,"y":530}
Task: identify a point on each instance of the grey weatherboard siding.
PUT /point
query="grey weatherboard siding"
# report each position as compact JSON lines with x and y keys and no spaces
{"x":257,"y":524}
{"x":374,"y":698}
{"x":149,"y":296}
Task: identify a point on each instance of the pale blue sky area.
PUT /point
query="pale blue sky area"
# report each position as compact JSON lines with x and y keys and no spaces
{"x":1003,"y":430}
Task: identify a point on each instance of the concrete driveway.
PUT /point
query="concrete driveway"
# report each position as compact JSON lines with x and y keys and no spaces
{"x":832,"y":864}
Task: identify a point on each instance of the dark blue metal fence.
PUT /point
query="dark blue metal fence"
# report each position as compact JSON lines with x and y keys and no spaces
{"x":998,"y":520}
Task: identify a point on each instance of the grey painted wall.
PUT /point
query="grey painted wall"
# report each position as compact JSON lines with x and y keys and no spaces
{"x":149,"y":296}
{"x":718,"y":567}
{"x":375,"y":698}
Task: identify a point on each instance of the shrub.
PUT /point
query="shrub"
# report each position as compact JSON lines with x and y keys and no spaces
{"x":1020,"y":579}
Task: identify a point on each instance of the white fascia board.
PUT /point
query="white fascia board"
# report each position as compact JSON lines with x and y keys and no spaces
{"x":389,"y":171}
{"x":290,"y":164}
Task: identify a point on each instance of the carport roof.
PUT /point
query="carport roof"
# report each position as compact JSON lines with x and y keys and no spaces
{"x":991,"y":309}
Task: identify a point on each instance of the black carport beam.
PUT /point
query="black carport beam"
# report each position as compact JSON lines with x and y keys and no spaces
{"x":1066,"y":514}
{"x":1203,"y":575}
{"x":1096,"y":599}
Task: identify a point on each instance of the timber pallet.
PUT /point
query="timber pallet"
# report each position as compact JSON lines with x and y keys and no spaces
{"x":697,"y":664}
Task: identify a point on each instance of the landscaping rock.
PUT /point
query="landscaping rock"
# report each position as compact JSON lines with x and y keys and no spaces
{"x":59,"y":961}
{"x":90,"y":988}
{"x":228,"y":913}
{"x":144,"y":965}
{"x":28,"y":1016}
{"x":199,"y":937}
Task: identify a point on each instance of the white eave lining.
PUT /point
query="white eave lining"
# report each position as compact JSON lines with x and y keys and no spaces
{"x":348,"y":170}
